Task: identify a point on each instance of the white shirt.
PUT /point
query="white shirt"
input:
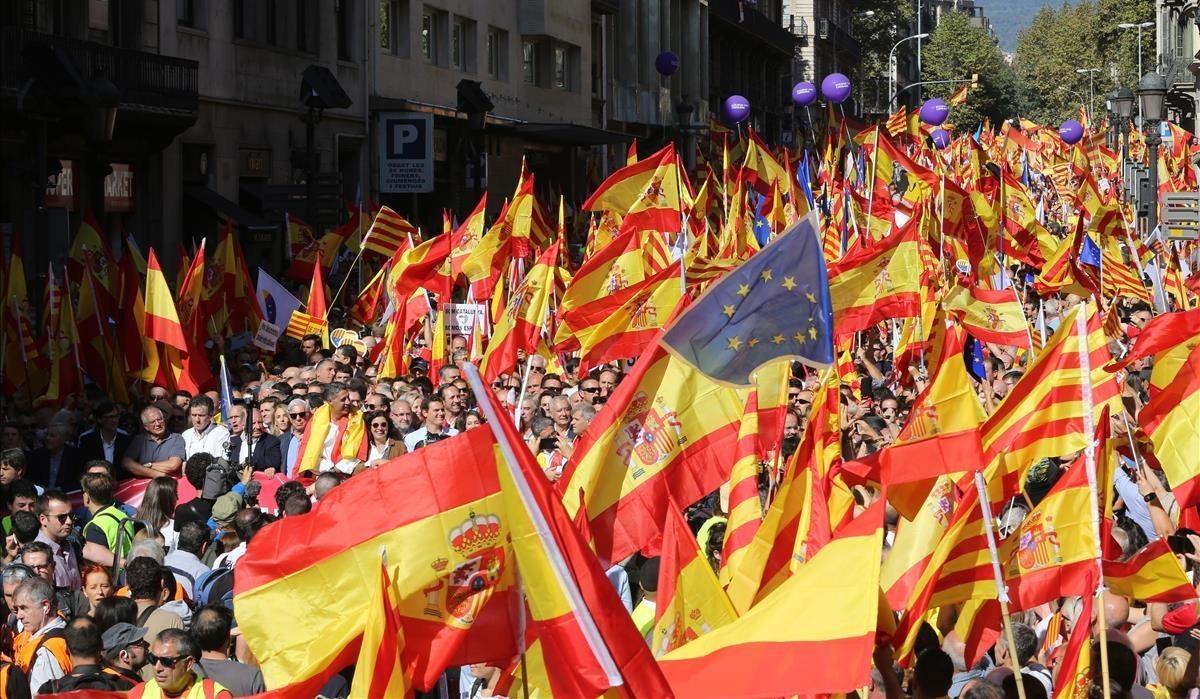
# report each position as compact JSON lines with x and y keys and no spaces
{"x":228,"y":560}
{"x":412,"y":439}
{"x":187,"y":568}
{"x":212,"y":441}
{"x":45,"y":666}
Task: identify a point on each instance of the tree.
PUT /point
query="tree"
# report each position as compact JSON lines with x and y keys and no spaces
{"x":957,"y":50}
{"x":1059,"y":42}
{"x":877,"y":32}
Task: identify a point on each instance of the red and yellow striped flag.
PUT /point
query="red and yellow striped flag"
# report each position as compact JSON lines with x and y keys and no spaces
{"x":824,"y":618}
{"x":524,"y":318}
{"x":689,"y":601}
{"x":897,"y":123}
{"x":1169,"y":420}
{"x":1043,"y":414}
{"x":379,"y":671}
{"x":388,"y":233}
{"x":162,"y":320}
{"x":667,"y":429}
{"x":1150,"y":575}
{"x":23,"y":363}
{"x":745,"y":508}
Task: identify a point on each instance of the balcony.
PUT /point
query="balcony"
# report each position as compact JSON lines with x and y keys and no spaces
{"x":830,"y":31}
{"x":755,"y":26}
{"x":148,"y":83}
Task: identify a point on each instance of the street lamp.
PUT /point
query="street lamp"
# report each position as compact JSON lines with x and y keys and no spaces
{"x":891,"y":56}
{"x":1091,"y":88}
{"x":1110,"y":134}
{"x":1152,"y":92}
{"x":1139,"y":28}
{"x":319,"y":90}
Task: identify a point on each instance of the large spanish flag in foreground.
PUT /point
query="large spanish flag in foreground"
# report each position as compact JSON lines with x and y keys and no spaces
{"x":823,"y":620}
{"x":589,"y":643}
{"x":447,"y":553}
{"x":666,"y":431}
{"x":870,"y":284}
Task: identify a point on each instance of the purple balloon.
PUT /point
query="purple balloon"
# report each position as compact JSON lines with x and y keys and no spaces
{"x":934,"y":112}
{"x":940,"y":138}
{"x":836,"y":88}
{"x":737,"y":108}
{"x":1070,"y":132}
{"x":667,"y":63}
{"x":804,"y":94}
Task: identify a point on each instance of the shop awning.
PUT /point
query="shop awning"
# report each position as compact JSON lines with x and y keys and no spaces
{"x":225,"y":208}
{"x":569,"y":134}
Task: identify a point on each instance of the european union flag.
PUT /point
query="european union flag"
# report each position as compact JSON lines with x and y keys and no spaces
{"x":1089,"y":252}
{"x":775,"y":305}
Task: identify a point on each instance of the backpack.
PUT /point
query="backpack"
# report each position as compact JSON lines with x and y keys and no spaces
{"x":214,"y":586}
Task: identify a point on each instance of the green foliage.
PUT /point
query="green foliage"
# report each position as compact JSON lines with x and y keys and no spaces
{"x":1083,"y":35}
{"x":877,"y":33}
{"x":959,"y":49}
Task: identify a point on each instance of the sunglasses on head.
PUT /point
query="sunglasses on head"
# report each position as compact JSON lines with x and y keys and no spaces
{"x":167,"y":661}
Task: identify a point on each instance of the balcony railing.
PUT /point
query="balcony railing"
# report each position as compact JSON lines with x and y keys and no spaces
{"x":144,"y":79}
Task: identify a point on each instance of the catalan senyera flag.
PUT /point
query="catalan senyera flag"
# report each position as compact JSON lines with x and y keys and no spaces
{"x":379,"y":671}
{"x":1169,"y":420}
{"x":823,"y":618}
{"x":990,"y":315}
{"x":301,"y":324}
{"x":162,"y":320}
{"x":666,"y":430}
{"x":808,"y":506}
{"x":589,"y":642}
{"x":388,"y":233}
{"x":689,"y":601}
{"x":870,"y":284}
{"x":897,"y":123}
{"x":745,"y":508}
{"x":366,"y":306}
{"x":1042,"y":416}
{"x":449,"y":561}
{"x":1153,"y":574}
{"x":524,"y":317}
{"x":959,"y":96}
{"x":624,"y":323}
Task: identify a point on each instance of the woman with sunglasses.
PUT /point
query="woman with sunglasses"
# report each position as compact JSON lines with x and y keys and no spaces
{"x":384,"y":445}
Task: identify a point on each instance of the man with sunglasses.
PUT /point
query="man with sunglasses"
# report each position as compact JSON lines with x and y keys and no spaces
{"x":173,"y":657}
{"x":125,"y":651}
{"x":57,"y":518}
{"x":289,"y":442}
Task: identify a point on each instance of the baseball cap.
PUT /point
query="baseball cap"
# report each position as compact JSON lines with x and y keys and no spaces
{"x":121,"y":634}
{"x":226,"y":507}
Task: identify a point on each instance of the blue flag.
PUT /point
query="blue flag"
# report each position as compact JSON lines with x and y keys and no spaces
{"x":775,"y":305}
{"x":226,"y":392}
{"x":1089,"y":252}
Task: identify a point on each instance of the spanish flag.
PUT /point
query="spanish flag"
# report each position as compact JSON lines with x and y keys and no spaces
{"x":1169,"y":420}
{"x":823,"y":619}
{"x":1169,"y":338}
{"x":666,"y":430}
{"x":524,"y":317}
{"x":990,"y":315}
{"x":589,"y":642}
{"x":23,"y":363}
{"x":467,"y":237}
{"x":1150,"y":575}
{"x":162,"y":320}
{"x":90,"y":239}
{"x":1074,"y":677}
{"x":485,"y":263}
{"x":650,"y":194}
{"x":760,"y":169}
{"x":452,"y":569}
{"x":690,"y":602}
{"x":628,"y":259}
{"x":379,"y":671}
{"x":418,"y":266}
{"x":873,"y":283}
{"x":189,"y":303}
{"x":623,"y":324}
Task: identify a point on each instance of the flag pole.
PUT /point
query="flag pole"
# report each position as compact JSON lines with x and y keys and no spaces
{"x":871,"y":186}
{"x":942,"y":226}
{"x":1001,"y":588}
{"x":1089,"y":455}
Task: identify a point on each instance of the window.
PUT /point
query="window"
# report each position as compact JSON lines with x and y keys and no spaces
{"x":458,"y":33}
{"x":428,"y":36}
{"x":239,"y":19}
{"x":271,"y":31}
{"x":393,"y":27}
{"x":343,"y":15}
{"x":497,"y":53}
{"x":529,"y":62}
{"x":306,"y":14}
{"x":189,"y":13}
{"x":561,"y":76}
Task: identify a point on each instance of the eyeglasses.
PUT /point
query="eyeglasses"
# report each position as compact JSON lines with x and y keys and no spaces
{"x":62,"y":519}
{"x":41,"y":566}
{"x":303,"y":414}
{"x":379,"y":425}
{"x":167,"y":661}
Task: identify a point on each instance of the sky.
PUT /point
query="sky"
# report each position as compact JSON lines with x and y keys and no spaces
{"x":1011,"y":16}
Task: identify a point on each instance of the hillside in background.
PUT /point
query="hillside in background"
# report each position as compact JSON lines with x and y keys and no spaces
{"x":1011,"y":16}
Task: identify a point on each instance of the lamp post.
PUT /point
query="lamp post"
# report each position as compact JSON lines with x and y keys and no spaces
{"x":891,"y":70}
{"x":1139,"y":28}
{"x":1110,"y":135}
{"x":1091,"y":73}
{"x":1123,"y":106}
{"x":1152,"y":92}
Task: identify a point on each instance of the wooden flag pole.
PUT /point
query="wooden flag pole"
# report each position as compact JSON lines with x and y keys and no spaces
{"x":1001,"y":588}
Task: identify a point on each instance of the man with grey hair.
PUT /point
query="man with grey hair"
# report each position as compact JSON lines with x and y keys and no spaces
{"x":173,"y":657}
{"x":155,"y":451}
{"x":325,"y":370}
{"x":289,"y":442}
{"x":56,"y":464}
{"x":11,"y":577}
{"x":44,"y":655}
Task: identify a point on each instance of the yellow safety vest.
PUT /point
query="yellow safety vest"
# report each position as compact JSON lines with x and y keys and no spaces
{"x":203,"y":689}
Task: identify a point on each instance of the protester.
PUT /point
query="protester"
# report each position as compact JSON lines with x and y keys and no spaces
{"x":204,"y":435}
{"x":210,"y":627}
{"x":124,"y":653}
{"x":83,"y":645}
{"x":42,"y":650}
{"x":173,"y":657}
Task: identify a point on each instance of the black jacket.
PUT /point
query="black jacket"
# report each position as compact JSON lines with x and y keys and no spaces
{"x":70,"y":468}
{"x":266,"y":452}
{"x":91,"y":447}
